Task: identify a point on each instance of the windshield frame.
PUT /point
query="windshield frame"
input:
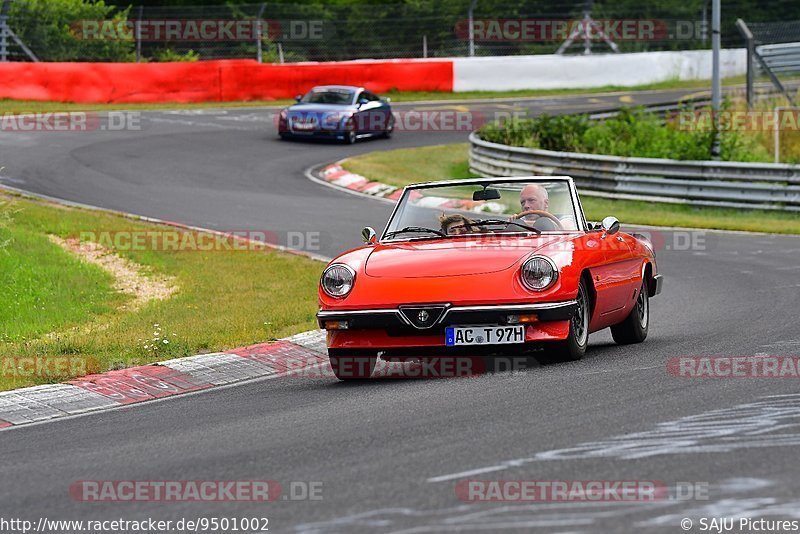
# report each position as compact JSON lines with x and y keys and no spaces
{"x":340,"y":90}
{"x":573,"y":193}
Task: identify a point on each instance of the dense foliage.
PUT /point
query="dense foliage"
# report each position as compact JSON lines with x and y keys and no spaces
{"x":51,"y":28}
{"x":379,"y":28}
{"x":634,"y":132}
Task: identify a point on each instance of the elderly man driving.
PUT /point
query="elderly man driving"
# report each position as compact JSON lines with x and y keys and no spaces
{"x":534,"y":197}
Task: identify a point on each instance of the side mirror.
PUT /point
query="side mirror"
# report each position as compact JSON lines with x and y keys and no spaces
{"x":298,"y":98}
{"x":387,"y":99}
{"x":610,"y":226}
{"x":362,"y":101}
{"x":369,"y":235}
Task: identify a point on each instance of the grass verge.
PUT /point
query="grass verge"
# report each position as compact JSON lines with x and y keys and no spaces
{"x":445,"y":162}
{"x":56,"y":305}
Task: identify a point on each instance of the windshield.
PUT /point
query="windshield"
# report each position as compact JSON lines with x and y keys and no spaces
{"x":342,"y":97}
{"x":510,"y":207}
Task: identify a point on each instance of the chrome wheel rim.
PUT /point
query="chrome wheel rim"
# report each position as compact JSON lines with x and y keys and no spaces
{"x":643,"y":308}
{"x":580,"y":321}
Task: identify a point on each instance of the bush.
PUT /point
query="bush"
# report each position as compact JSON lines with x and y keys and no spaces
{"x":634,"y":132}
{"x":563,"y":132}
{"x":169,"y":55}
{"x":52,"y":29}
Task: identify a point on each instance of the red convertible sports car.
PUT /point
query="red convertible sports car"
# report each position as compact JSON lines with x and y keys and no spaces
{"x":486,"y":267}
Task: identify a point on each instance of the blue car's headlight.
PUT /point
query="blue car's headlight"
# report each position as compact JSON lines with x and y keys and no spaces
{"x":333,"y":118}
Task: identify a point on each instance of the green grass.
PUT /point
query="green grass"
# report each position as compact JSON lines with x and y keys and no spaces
{"x":44,"y":288}
{"x":30,"y":106}
{"x":409,"y":165}
{"x":445,"y":162}
{"x":660,"y":214}
{"x":60,"y":306}
{"x":409,"y":96}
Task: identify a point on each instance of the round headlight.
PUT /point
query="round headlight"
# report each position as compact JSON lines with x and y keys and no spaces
{"x":337,"y":280}
{"x":538,"y":273}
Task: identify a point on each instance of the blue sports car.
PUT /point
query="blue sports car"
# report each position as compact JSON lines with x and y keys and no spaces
{"x":340,"y":112}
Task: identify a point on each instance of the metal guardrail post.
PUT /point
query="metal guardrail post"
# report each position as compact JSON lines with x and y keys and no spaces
{"x":6,"y":31}
{"x":471,"y":21}
{"x":259,"y":33}
{"x":3,"y":38}
{"x":776,"y":131}
{"x":139,"y":17}
{"x":716,"y":82}
{"x":752,"y":53}
{"x":751,"y":49}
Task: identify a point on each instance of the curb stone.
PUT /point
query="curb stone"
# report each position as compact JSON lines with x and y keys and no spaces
{"x":113,"y":389}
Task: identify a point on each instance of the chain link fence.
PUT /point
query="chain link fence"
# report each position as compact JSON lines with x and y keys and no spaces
{"x":71,"y":30}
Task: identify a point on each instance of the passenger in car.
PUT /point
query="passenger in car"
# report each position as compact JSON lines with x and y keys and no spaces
{"x":457,"y":224}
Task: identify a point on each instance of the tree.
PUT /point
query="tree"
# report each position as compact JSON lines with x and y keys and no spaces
{"x":64,"y":30}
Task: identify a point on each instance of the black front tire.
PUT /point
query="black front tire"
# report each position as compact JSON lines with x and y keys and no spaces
{"x":350,"y":136}
{"x":634,"y":328}
{"x":387,"y":133}
{"x":574,"y":347}
{"x":352,"y":364}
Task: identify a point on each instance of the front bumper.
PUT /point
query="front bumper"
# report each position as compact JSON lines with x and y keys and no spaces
{"x":655,"y":285}
{"x":313,"y":134}
{"x":394,"y":320}
{"x":391,"y":330}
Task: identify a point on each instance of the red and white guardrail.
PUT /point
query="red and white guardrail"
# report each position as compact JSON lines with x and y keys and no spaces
{"x":225,"y":80}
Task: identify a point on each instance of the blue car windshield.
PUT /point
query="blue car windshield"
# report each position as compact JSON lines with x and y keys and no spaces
{"x":341,"y":97}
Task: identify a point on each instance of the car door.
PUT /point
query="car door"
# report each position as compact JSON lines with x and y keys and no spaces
{"x":616,"y":279}
{"x":372,"y":113}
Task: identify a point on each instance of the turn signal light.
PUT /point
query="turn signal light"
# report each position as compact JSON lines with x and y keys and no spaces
{"x":523,"y":318}
{"x":336,"y":325}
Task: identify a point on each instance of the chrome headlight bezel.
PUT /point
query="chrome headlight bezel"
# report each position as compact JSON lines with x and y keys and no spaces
{"x":341,"y":268}
{"x":534,"y":263}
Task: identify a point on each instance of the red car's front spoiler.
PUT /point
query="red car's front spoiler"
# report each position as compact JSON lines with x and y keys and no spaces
{"x":401,"y":328}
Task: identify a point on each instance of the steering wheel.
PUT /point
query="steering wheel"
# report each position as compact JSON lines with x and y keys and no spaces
{"x":540,"y":213}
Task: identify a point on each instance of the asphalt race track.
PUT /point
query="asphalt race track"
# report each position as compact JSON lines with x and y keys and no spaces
{"x":391,"y":453}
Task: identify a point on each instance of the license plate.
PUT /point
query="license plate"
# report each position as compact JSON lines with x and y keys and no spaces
{"x":484,"y":335}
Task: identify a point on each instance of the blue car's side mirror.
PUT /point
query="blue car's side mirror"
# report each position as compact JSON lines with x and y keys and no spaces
{"x":298,"y":98}
{"x":362,"y":101}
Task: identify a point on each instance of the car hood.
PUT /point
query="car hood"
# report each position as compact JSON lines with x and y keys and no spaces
{"x":319,"y":108}
{"x":453,"y":257}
